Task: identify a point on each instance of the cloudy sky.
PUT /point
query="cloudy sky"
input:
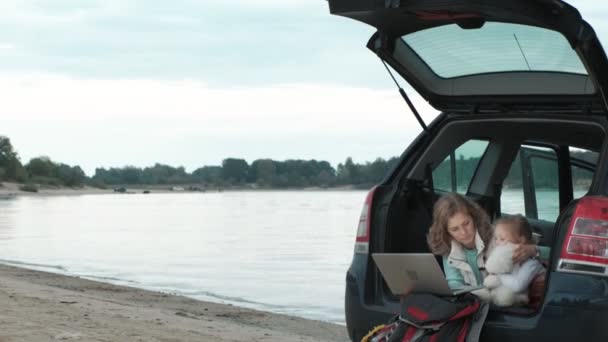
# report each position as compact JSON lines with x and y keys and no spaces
{"x":103,"y":83}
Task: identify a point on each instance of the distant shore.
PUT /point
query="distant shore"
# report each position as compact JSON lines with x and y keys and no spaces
{"x":9,"y":189}
{"x":12,"y":189}
{"x":41,"y":306}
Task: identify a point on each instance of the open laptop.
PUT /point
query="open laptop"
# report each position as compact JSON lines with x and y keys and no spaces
{"x":415,"y":272}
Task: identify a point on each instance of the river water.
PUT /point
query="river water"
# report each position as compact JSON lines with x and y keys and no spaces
{"x":280,"y":251}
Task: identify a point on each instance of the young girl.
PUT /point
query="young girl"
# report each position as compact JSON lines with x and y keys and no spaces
{"x":515,"y":230}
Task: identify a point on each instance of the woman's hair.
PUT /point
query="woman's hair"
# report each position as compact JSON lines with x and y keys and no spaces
{"x":439,"y":240}
{"x":519,"y":224}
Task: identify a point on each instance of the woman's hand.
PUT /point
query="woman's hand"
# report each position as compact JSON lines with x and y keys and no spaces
{"x":523,"y":252}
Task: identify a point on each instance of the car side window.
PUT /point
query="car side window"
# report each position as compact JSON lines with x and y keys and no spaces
{"x":532,"y":185}
{"x":583,"y":164}
{"x":455,"y":172}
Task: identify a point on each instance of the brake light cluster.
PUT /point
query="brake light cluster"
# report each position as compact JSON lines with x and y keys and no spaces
{"x":363,"y":229}
{"x":444,"y":15}
{"x":590,"y":247}
{"x":585,"y":248}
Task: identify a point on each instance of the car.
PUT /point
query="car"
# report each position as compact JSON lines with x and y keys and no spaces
{"x":521,"y":88}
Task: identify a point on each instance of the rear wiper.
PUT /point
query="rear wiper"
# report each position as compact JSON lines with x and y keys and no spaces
{"x":522,"y":51}
{"x":406,"y":98}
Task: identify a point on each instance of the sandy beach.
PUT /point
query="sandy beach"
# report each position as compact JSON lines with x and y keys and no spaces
{"x":40,"y":306}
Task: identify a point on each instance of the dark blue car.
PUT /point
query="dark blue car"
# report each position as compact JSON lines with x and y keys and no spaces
{"x":521,"y":86}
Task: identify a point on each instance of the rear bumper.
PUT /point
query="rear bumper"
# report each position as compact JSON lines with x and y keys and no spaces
{"x":360,"y":318}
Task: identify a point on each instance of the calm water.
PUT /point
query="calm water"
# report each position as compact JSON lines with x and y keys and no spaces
{"x":283,"y":251}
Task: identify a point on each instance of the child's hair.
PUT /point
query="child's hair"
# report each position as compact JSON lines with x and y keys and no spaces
{"x":520,"y":225}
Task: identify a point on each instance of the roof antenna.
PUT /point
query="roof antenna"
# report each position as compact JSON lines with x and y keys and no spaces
{"x":406,"y":98}
{"x":522,"y":52}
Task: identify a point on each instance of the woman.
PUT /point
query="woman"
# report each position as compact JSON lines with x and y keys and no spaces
{"x":461,"y":233}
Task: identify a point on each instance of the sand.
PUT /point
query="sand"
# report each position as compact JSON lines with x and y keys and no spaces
{"x":40,"y":306}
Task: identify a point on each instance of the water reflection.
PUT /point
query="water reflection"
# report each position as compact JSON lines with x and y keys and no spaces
{"x":8,"y":203}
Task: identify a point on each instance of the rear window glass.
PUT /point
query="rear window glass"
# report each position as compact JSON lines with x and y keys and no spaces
{"x":451,"y":51}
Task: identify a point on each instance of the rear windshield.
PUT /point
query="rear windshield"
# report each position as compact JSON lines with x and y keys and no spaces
{"x":451,"y":51}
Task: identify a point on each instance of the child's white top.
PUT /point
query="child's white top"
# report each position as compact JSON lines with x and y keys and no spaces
{"x":522,"y":275}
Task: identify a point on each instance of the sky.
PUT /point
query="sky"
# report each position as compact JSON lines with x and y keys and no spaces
{"x":110,"y":83}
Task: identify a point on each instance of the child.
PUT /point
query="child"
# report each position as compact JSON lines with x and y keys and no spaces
{"x":514,"y":230}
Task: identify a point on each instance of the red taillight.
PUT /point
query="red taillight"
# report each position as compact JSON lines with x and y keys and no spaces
{"x":444,"y":15}
{"x":362,"y":240}
{"x":585,"y":247}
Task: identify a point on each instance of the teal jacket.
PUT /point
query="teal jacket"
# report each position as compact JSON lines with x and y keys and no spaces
{"x":464,"y":267}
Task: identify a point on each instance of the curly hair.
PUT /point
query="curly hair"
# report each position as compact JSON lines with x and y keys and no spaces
{"x":438,"y":239}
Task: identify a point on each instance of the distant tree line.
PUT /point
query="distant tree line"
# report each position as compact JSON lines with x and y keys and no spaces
{"x":262,"y":173}
{"x":40,"y":170}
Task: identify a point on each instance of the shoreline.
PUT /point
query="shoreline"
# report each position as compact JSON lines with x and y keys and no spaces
{"x":42,"y":306}
{"x":9,"y":190}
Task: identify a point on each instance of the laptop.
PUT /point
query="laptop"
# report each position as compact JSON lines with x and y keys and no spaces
{"x":415,"y":272}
